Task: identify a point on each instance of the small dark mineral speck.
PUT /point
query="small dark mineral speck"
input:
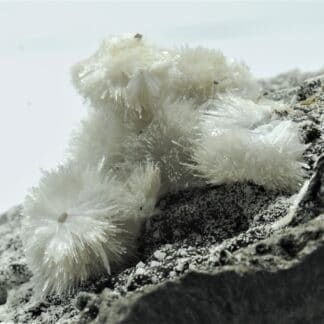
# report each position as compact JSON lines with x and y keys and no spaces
{"x":3,"y":295}
{"x":92,"y":311}
{"x":18,"y":268}
{"x":37,"y":309}
{"x":289,"y":245}
{"x":223,"y":257}
{"x":311,"y":133}
{"x":262,"y":248}
{"x":82,"y":301}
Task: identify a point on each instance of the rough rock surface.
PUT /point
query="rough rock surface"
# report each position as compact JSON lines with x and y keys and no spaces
{"x":222,"y":254}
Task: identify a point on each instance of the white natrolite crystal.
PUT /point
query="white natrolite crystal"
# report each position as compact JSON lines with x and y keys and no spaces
{"x":267,"y":155}
{"x":80,"y":223}
{"x":160,"y":120}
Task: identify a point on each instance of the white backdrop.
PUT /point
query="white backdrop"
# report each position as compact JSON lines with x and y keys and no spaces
{"x":39,"y":41}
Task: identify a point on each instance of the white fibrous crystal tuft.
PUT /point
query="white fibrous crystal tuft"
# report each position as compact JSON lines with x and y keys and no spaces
{"x":160,"y":120}
{"x":80,"y":222}
{"x":267,"y":155}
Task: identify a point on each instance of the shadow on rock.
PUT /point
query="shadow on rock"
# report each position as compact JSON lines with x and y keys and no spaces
{"x":214,"y":213}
